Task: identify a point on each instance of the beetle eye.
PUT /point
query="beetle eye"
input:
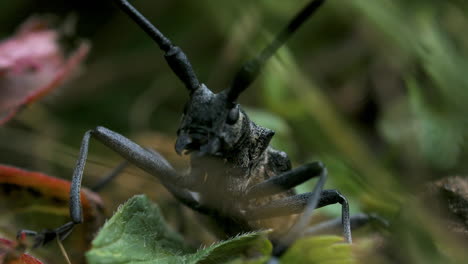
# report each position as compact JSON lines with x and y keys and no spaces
{"x":233,"y":115}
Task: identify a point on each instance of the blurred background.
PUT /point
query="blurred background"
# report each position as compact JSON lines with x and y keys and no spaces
{"x":377,"y":90}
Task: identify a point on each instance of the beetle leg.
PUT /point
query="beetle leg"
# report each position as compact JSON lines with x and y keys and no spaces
{"x":150,"y":161}
{"x":357,"y":221}
{"x":45,"y":236}
{"x":295,"y":204}
{"x":286,"y":180}
{"x":303,"y":203}
{"x":181,"y":194}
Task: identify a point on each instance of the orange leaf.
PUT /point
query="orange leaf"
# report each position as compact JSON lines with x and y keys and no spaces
{"x":36,"y":201}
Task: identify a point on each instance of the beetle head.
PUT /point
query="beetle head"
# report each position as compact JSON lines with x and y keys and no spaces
{"x":211,"y":124}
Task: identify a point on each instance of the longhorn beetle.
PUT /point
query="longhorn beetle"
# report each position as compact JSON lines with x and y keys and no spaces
{"x":236,"y":178}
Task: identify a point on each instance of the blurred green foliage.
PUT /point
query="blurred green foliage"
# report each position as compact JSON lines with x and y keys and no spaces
{"x":375,"y":89}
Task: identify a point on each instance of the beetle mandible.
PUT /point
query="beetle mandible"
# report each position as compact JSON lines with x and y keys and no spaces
{"x":236,"y":178}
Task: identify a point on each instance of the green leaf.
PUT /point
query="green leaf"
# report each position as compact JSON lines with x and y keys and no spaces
{"x":319,"y":249}
{"x":137,"y":233}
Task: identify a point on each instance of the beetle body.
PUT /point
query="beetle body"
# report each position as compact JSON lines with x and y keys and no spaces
{"x":236,"y":179}
{"x":229,"y":154}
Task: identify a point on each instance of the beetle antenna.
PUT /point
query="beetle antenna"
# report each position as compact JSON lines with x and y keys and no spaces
{"x":174,"y":55}
{"x":251,"y":69}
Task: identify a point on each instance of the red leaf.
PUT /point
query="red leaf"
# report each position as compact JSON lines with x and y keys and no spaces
{"x":12,"y":253}
{"x":32,"y":64}
{"x":49,"y":187}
